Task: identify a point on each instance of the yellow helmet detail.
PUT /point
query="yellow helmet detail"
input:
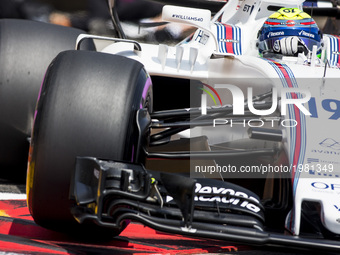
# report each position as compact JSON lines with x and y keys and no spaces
{"x":290,"y":14}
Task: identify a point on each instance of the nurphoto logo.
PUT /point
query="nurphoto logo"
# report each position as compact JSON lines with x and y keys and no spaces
{"x":286,"y":99}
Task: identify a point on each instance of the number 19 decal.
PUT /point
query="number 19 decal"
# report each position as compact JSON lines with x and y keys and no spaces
{"x":330,"y":105}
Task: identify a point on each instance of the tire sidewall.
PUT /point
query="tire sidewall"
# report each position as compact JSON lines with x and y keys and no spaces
{"x":49,"y":167}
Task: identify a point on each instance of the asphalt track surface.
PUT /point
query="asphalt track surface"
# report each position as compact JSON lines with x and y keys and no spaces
{"x":20,"y":235}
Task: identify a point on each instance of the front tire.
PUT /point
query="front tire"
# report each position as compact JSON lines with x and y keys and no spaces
{"x":87,"y":107}
{"x":26,"y":50}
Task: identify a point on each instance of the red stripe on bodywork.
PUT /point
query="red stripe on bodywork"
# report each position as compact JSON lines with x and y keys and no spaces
{"x":229,"y":36}
{"x":297,"y":118}
{"x":298,"y":131}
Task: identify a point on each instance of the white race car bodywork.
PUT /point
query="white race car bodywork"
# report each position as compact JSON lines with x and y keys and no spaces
{"x":313,"y":145}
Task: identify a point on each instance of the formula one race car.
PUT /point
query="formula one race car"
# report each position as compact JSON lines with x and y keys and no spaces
{"x":230,"y":135}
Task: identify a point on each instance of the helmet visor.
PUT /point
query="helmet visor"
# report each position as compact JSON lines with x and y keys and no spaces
{"x":273,"y":45}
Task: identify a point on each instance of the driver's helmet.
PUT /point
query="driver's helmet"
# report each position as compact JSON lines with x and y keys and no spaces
{"x":289,"y":22}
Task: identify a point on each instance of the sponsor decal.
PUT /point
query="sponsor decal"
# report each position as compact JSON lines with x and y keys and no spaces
{"x":202,"y":37}
{"x":190,"y":18}
{"x":273,"y":34}
{"x":229,"y":40}
{"x":312,"y":172}
{"x":326,"y":186}
{"x":248,"y":8}
{"x":219,"y":190}
{"x":303,"y":33}
{"x":330,"y":143}
{"x":290,"y":23}
{"x":276,"y":46}
{"x":317,"y":160}
{"x":312,"y":160}
{"x":326,"y":152}
{"x":205,"y":195}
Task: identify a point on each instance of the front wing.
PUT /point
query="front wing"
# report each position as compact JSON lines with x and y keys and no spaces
{"x":112,"y":193}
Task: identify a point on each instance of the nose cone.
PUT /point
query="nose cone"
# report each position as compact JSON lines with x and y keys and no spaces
{"x":330,"y":214}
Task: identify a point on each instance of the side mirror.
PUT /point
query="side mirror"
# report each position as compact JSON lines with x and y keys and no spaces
{"x":111,"y":4}
{"x":115,"y":19}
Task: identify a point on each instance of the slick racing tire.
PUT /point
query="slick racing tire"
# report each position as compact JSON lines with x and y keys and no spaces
{"x":87,"y":107}
{"x":26,"y":50}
